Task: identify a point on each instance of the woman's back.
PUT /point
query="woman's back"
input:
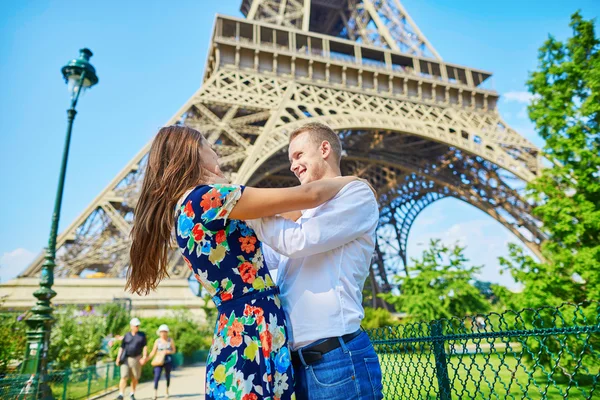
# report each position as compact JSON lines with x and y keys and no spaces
{"x":224,"y":255}
{"x":249,"y":354}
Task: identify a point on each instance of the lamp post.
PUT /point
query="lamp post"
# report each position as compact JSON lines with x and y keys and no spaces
{"x":80,"y":75}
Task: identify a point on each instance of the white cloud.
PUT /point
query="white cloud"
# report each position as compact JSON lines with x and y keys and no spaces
{"x":523,"y":113}
{"x":518,"y":97}
{"x":14,"y":262}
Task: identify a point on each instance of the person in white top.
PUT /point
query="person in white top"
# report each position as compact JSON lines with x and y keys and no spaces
{"x":323,"y":257}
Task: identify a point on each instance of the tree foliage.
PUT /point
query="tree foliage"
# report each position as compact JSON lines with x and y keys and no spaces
{"x":442,"y":286}
{"x":12,"y":340}
{"x":377,"y":318}
{"x":566,"y":112}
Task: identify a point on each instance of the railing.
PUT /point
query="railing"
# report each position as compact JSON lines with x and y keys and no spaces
{"x":80,"y":383}
{"x":68,"y":384}
{"x":547,"y":353}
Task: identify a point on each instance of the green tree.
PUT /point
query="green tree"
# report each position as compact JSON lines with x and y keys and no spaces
{"x":76,"y":337}
{"x":377,"y":318}
{"x":442,"y":286}
{"x":566,"y":112}
{"x":12,"y":340}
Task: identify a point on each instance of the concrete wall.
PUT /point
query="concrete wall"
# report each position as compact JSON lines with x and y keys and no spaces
{"x":17,"y":294}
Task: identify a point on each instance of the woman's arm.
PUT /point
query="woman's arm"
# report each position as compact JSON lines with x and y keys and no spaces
{"x":257,"y":203}
{"x":173,"y":348}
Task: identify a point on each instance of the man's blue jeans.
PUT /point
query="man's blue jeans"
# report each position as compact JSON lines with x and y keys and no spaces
{"x":349,"y":372}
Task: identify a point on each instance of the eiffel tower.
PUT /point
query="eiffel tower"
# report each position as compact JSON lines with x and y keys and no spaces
{"x":418,"y":128}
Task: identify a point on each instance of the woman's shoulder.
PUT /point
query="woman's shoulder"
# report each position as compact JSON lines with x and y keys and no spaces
{"x":221,"y":190}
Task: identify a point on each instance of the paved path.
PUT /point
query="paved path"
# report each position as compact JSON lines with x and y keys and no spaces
{"x":186,"y":383}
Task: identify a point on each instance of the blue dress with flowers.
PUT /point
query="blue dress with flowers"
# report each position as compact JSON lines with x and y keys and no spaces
{"x":249,"y":358}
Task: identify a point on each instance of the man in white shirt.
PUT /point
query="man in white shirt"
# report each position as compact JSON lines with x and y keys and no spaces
{"x":323,"y":257}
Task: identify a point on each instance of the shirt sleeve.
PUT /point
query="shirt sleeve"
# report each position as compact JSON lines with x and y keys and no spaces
{"x":211,"y":205}
{"x":349,"y":215}
{"x":272,"y":258}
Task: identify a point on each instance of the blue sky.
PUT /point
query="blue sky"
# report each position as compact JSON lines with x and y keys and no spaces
{"x":150,"y":58}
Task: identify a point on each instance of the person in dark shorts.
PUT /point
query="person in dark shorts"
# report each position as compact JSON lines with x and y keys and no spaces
{"x":133,"y":353}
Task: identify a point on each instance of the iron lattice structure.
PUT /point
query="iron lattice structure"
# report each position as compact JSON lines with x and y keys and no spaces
{"x":418,"y":128}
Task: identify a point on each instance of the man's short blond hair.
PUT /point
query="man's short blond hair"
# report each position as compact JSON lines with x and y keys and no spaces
{"x":318,"y":133}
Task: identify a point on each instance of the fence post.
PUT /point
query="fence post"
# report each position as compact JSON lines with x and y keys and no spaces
{"x":107,"y":366}
{"x":65,"y":383}
{"x":89,"y":381}
{"x":441,"y":367}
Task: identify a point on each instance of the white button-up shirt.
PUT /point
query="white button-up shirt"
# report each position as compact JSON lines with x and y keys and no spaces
{"x":323,"y":260}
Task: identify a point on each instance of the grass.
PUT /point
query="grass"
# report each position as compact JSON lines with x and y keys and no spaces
{"x":482,"y":376}
{"x":80,"y":386}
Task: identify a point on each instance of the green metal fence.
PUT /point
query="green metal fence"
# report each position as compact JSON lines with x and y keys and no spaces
{"x":545,"y":353}
{"x":68,"y":384}
{"x":81,"y":383}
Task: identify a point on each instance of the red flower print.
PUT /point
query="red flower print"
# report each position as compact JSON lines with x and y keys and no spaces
{"x":197,"y":232}
{"x":256,"y":311}
{"x":220,"y":237}
{"x":250,"y":396}
{"x":226,"y":296}
{"x":222,"y":213}
{"x":265,"y":341}
{"x":222,"y":322}
{"x":247,"y":272}
{"x":236,"y":340}
{"x":248,"y":310}
{"x":211,"y":199}
{"x":189,"y":210}
{"x":248,"y":243}
{"x":259,"y":315}
{"x":235,"y":333}
{"x":236,"y":327}
{"x":188,"y":263}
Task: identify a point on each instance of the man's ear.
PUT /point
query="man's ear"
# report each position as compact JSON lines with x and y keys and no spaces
{"x":325,"y":149}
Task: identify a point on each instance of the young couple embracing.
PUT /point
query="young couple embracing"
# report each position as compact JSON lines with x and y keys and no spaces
{"x":298,"y":338}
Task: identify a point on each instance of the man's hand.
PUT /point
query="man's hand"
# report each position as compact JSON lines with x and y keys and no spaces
{"x":118,"y":362}
{"x":143,"y":360}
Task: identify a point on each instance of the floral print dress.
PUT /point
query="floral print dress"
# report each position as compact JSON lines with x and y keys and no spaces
{"x":249,"y":358}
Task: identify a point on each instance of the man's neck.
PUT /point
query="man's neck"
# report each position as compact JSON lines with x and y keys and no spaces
{"x":331,"y":173}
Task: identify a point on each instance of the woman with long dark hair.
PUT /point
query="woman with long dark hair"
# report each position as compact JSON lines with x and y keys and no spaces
{"x":184,"y":193}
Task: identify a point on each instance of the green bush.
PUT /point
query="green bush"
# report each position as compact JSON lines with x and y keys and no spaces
{"x":12,"y":339}
{"x":189,"y":335}
{"x":377,"y":318}
{"x":78,"y":334}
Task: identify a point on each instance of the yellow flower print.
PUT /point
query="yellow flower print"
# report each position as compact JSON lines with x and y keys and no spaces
{"x":258,"y":283}
{"x":217,"y":255}
{"x":219,"y":374}
{"x":251,"y":350}
{"x":269,"y":281}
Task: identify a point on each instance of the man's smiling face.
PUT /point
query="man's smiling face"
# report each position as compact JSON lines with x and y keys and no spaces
{"x":307,"y":160}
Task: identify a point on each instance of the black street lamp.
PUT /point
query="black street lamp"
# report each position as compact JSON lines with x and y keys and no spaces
{"x":80,"y":75}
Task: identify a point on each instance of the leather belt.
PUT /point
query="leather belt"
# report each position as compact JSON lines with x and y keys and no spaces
{"x":312,"y":354}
